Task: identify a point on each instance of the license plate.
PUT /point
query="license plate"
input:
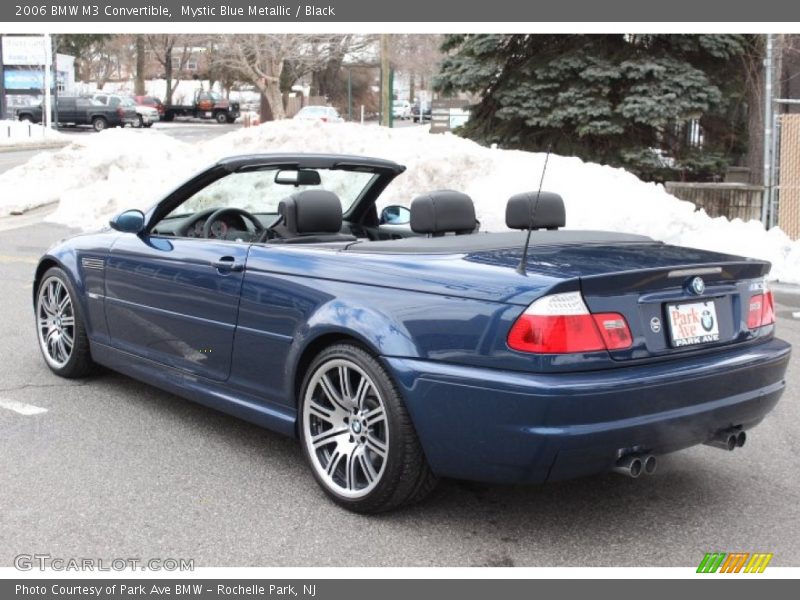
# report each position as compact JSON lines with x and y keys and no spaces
{"x":693,"y":323}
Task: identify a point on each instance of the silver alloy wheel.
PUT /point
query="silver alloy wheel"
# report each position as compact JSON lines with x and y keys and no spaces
{"x":55,"y":322}
{"x":345,"y":428}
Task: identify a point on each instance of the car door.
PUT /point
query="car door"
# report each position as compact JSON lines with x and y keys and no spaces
{"x":66,"y":110}
{"x":175,"y":300}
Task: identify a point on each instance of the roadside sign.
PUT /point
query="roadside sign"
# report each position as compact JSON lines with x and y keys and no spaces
{"x":447,"y":114}
{"x":24,"y":50}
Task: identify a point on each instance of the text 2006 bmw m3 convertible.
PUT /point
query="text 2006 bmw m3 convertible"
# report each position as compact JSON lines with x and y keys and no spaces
{"x":405,"y":345}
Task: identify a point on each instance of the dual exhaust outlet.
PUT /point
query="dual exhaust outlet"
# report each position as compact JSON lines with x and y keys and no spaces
{"x":634,"y":465}
{"x":728,"y":439}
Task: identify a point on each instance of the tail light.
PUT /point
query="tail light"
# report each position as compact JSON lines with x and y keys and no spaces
{"x":562,"y":324}
{"x":761,"y":310}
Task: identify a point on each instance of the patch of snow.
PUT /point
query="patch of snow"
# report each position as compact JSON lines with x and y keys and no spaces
{"x":121,"y":169}
{"x":19,"y":133}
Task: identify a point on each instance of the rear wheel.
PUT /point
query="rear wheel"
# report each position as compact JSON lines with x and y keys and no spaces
{"x":60,"y":327}
{"x":356,"y":433}
{"x":99,"y":123}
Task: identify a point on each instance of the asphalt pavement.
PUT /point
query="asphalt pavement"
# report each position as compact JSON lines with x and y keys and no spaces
{"x":116,"y":468}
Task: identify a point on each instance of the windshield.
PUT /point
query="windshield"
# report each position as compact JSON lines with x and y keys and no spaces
{"x":257,"y":192}
{"x":128,"y":101}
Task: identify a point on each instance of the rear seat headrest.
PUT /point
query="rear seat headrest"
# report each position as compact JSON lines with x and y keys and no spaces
{"x":443,"y":211}
{"x":523,"y":211}
{"x":311,"y":211}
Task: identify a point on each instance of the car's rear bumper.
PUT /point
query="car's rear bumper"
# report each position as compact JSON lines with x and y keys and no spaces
{"x":504,"y":426}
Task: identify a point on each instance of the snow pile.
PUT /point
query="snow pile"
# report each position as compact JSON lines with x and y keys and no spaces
{"x":97,"y":176}
{"x":127,"y":169}
{"x":15,"y":133}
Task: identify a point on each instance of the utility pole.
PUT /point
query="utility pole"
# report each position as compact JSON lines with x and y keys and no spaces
{"x":386,"y":83}
{"x":47,"y":117}
{"x":138,"y":87}
{"x":55,"y":80}
{"x":2,"y":82}
{"x":768,"y":99}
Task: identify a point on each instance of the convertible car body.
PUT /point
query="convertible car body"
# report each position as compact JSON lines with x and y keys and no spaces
{"x":406,"y":345}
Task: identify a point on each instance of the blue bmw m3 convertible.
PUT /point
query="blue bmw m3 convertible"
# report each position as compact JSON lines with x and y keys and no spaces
{"x":404,"y":345}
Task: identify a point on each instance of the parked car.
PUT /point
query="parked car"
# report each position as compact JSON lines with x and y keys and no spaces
{"x":143,"y":116}
{"x":205,"y":105}
{"x":426,"y":112}
{"x":327,"y":114}
{"x":82,"y":110}
{"x":405,"y":346}
{"x":401,"y":109}
{"x":151,"y":101}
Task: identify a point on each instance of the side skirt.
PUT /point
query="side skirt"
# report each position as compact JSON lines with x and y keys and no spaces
{"x":212,"y":394}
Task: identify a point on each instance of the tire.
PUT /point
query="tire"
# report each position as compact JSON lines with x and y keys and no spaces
{"x":141,"y":122}
{"x":99,"y":124}
{"x":365,"y":453}
{"x":230,"y":120}
{"x":59,"y":318}
{"x":221,"y":118}
{"x":148,"y":125}
{"x":26,"y":119}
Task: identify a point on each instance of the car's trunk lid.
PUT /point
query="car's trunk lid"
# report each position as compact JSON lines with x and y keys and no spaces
{"x":650,"y":284}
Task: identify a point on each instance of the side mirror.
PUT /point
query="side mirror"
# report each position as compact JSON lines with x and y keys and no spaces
{"x":130,"y":221}
{"x":395,"y":215}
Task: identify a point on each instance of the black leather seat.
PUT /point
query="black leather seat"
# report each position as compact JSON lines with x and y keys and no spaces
{"x":441,"y":212}
{"x":310,"y":216}
{"x":535,"y":210}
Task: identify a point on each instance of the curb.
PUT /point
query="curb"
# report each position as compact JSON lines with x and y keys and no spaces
{"x":42,"y":146}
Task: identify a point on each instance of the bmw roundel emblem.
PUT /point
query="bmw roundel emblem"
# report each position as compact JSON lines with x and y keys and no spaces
{"x":698,"y":286}
{"x":707,"y":321}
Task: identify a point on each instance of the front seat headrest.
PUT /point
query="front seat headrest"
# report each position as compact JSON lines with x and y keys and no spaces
{"x":524,"y":211}
{"x":443,"y":211}
{"x":311,"y":211}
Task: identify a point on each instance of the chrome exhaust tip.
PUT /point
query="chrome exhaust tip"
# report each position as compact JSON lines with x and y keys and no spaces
{"x":726,"y":440}
{"x":649,"y":464}
{"x":629,"y":465}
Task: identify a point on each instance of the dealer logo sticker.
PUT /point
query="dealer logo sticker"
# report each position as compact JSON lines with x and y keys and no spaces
{"x":655,"y":324}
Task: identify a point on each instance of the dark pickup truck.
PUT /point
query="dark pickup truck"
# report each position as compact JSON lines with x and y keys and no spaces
{"x":205,"y":105}
{"x":81,"y":110}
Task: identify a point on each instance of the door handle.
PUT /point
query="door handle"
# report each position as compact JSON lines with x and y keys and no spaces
{"x":228,"y":263}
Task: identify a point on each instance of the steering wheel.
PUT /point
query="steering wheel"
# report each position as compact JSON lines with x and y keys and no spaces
{"x":217,"y":215}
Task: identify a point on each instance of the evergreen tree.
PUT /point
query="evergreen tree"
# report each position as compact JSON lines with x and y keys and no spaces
{"x":623,"y":100}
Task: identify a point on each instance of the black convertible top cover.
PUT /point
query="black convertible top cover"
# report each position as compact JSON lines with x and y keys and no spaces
{"x":494,"y":241}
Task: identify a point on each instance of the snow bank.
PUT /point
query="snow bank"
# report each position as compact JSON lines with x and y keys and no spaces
{"x":17,"y":133}
{"x":131,"y":168}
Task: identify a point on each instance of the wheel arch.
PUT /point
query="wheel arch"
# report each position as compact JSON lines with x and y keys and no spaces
{"x":45,"y":263}
{"x":311,"y":349}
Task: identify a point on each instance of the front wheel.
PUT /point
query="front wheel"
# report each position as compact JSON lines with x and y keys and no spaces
{"x":60,"y":327}
{"x":357,"y":436}
{"x":221,"y":118}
